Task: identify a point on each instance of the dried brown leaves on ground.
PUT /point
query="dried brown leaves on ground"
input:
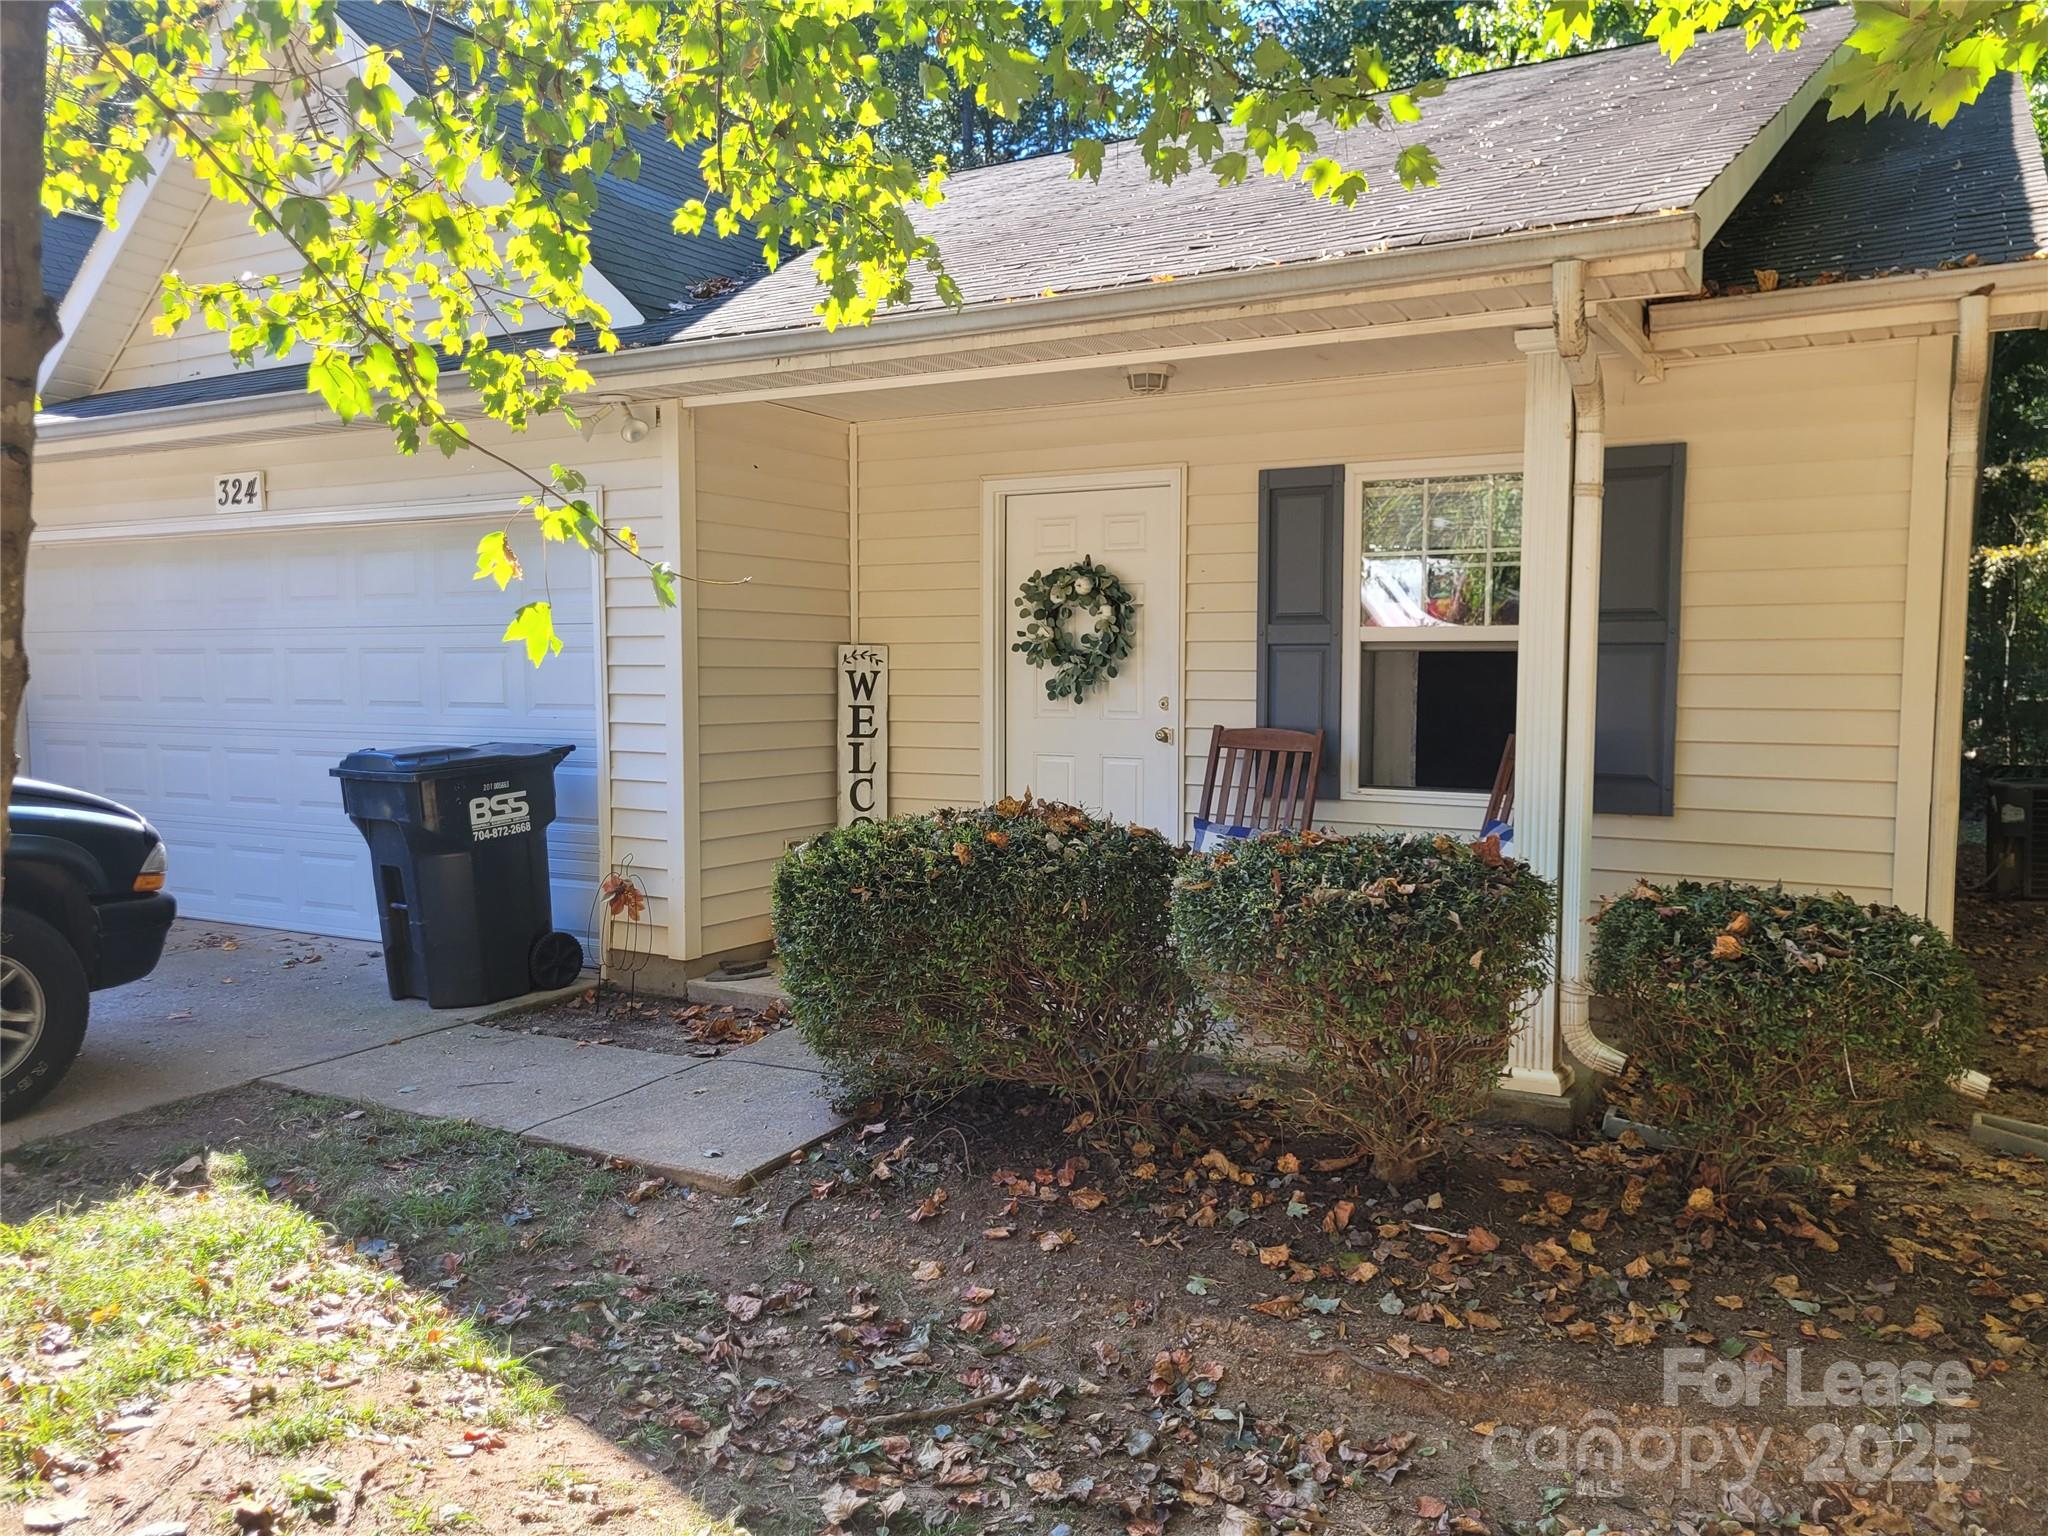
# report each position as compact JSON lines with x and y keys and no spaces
{"x":999,"y":1317}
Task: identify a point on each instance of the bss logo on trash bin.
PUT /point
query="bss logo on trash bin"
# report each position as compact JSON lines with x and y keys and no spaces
{"x":504,"y":814}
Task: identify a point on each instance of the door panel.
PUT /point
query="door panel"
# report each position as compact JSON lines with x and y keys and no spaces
{"x":1101,"y":752}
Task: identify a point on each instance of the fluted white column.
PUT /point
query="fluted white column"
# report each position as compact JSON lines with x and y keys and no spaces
{"x":1535,"y":1061}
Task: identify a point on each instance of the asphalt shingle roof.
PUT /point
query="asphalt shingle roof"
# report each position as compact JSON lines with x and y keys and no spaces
{"x":632,"y":235}
{"x":1854,"y":197}
{"x":255,"y":383}
{"x":1573,"y":141}
{"x":66,"y":239}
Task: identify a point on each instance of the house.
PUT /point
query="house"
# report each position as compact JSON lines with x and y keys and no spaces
{"x":1651,"y":434}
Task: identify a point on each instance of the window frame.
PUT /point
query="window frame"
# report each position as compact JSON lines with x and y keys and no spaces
{"x":1356,"y":633}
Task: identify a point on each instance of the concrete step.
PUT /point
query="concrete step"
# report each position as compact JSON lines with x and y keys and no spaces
{"x":720,"y":990}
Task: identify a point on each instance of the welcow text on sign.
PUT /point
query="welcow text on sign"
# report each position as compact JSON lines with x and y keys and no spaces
{"x":863,"y":733}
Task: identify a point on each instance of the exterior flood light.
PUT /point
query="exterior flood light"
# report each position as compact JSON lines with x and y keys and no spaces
{"x":1149,"y":381}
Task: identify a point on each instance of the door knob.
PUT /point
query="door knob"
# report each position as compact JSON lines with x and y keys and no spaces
{"x":1164,"y":733}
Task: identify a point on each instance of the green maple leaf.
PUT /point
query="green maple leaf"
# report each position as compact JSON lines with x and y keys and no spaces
{"x":535,"y":624}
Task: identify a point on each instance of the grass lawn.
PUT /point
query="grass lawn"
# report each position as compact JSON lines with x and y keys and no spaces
{"x":257,"y":1311}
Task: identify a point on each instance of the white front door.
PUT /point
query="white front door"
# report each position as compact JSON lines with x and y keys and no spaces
{"x":1115,"y":751}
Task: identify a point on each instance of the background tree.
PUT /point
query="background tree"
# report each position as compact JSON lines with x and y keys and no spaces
{"x":2005,"y":703}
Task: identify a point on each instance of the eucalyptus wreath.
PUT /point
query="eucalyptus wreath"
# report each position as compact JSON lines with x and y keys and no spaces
{"x":1048,"y":599}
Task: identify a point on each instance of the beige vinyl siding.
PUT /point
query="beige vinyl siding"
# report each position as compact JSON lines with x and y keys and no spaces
{"x":218,"y":245}
{"x":1797,"y":484}
{"x":771,"y":513}
{"x":1798,"y":478}
{"x":340,"y":469}
{"x":920,"y":554}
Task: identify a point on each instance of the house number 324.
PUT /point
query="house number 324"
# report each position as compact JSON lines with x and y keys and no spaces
{"x":238,"y":493}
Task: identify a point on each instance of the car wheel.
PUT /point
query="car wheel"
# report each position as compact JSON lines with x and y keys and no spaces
{"x":43,"y":1000}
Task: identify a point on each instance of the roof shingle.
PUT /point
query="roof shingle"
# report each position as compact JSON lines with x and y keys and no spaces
{"x":66,"y":239}
{"x":1855,"y":197}
{"x":1573,"y":141}
{"x":632,"y":234}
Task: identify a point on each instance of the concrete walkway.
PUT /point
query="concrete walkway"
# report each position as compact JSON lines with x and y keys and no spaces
{"x":715,"y":1124}
{"x":227,"y":1005}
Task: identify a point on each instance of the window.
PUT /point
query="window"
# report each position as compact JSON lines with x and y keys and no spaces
{"x":1432,"y":679}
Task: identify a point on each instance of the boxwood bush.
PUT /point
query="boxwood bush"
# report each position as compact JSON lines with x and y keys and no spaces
{"x":1391,"y":967}
{"x":1024,"y":942}
{"x":1769,"y":1029}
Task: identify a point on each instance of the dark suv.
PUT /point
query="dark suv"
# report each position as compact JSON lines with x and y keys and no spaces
{"x":85,"y":909}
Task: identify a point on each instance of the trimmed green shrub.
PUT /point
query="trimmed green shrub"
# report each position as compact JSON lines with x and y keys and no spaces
{"x":1769,"y":1029}
{"x":1392,"y":967}
{"x":1024,"y":942}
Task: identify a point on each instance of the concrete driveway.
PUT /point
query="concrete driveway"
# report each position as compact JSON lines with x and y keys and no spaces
{"x":227,"y":1005}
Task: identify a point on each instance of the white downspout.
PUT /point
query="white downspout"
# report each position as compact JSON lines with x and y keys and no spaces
{"x":1582,"y":656}
{"x":1965,"y":460}
{"x":1965,"y":464}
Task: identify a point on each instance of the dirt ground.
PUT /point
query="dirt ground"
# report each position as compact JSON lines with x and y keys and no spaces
{"x":988,"y":1317}
{"x":2007,"y":942}
{"x":608,"y":1015}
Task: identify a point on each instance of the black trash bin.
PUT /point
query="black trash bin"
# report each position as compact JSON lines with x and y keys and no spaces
{"x":458,"y":842}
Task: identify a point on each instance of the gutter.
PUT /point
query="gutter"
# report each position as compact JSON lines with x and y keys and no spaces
{"x":1498,"y":260}
{"x":2018,"y":291}
{"x":1634,"y":242}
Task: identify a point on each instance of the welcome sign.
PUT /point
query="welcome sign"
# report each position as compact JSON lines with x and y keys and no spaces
{"x":863,"y":733}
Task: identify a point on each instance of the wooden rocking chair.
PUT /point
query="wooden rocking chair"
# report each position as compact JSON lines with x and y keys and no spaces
{"x":1500,"y":805}
{"x":1263,"y":780}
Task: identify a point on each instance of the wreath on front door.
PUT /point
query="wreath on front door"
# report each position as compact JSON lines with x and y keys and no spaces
{"x":1049,"y":599}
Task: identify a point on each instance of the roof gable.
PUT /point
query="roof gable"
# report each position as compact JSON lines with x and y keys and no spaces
{"x":639,"y":269}
{"x":1854,"y":197}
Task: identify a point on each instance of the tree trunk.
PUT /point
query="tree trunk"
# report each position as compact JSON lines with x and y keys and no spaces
{"x":28,"y":329}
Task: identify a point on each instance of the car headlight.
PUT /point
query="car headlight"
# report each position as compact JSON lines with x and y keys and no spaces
{"x":151,"y":876}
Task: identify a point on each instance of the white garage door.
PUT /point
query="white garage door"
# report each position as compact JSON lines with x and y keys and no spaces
{"x":211,"y":681}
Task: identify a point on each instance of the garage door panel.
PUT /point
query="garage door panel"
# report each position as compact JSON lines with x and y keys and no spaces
{"x":119,"y":675}
{"x":183,"y":675}
{"x":377,"y":681}
{"x":332,"y":582}
{"x":124,"y":768}
{"x":576,"y":799}
{"x":212,"y":683}
{"x":59,"y":670}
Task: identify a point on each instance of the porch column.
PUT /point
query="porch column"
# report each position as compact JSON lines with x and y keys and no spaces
{"x":1535,"y":1060}
{"x":1581,"y":360}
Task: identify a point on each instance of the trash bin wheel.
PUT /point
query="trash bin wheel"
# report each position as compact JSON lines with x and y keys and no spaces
{"x":557,"y":960}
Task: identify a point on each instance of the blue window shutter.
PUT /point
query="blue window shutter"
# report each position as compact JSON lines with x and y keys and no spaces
{"x":1301,"y":623}
{"x":1641,"y":551}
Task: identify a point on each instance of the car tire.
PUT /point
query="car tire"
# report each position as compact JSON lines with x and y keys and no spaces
{"x":39,"y":972}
